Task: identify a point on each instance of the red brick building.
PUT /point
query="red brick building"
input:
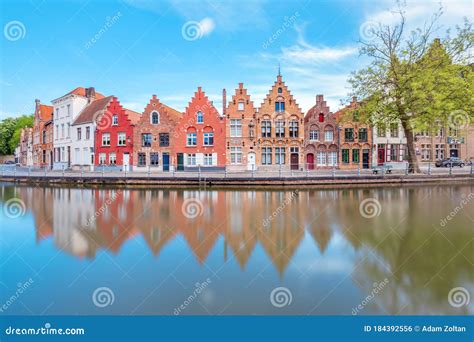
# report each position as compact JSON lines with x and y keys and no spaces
{"x":199,"y":137}
{"x":114,"y":136}
{"x":321,"y":136}
{"x":42,"y":135}
{"x":355,"y":149}
{"x":153,"y":136}
{"x":241,"y":131}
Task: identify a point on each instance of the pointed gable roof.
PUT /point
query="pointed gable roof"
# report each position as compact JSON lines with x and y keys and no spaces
{"x":91,"y":112}
{"x":286,"y":94}
{"x":133,"y":116}
{"x":319,"y":107}
{"x":155,"y":104}
{"x":44,"y":112}
{"x":200,"y":95}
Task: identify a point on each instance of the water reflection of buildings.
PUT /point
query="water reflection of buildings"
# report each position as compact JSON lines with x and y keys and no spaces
{"x":400,"y":244}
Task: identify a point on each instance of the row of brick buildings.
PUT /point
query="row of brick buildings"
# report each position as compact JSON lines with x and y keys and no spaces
{"x":87,"y":129}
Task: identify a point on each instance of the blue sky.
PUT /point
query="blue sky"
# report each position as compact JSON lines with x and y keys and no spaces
{"x":145,"y":47}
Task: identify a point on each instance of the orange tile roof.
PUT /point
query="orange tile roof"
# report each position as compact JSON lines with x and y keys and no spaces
{"x":81,"y":91}
{"x":89,"y":113}
{"x":46,"y":112}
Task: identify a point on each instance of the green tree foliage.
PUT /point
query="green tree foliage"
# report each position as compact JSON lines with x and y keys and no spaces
{"x":10,"y":129}
{"x":422,"y":82}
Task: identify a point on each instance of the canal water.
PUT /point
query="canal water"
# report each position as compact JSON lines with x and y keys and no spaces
{"x":393,"y":250}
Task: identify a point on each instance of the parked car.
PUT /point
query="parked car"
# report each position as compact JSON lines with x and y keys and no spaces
{"x":450,"y":162}
{"x":9,"y":162}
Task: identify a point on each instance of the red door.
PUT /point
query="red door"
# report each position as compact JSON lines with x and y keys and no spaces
{"x":381,"y":156}
{"x":310,"y":161}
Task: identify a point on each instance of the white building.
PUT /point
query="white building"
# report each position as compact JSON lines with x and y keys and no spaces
{"x":66,"y":110}
{"x":83,"y":129}
{"x":390,"y":145}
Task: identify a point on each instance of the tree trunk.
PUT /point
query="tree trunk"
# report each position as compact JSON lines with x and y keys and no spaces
{"x":411,"y":157}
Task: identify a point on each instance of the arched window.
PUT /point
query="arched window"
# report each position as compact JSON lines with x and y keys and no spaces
{"x":321,"y":117}
{"x":280,"y":90}
{"x":155,"y":118}
{"x":199,"y":117}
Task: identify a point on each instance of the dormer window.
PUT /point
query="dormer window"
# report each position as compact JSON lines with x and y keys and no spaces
{"x":241,"y":105}
{"x":199,"y":118}
{"x":279,"y":106}
{"x":280,"y":90}
{"x":155,"y":118}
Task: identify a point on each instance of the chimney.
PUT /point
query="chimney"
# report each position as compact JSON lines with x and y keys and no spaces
{"x":37,"y":104}
{"x":90,"y":94}
{"x":224,"y":101}
{"x":319,"y":98}
{"x":354,"y":99}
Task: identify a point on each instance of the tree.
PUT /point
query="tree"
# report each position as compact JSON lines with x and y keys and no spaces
{"x":416,"y":80}
{"x":10,"y":130}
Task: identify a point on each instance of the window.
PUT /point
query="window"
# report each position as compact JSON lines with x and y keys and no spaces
{"x":266,"y":155}
{"x":394,"y":130}
{"x":115,"y":120}
{"x":112,"y":159}
{"x":141,"y":159}
{"x":235,"y":127}
{"x":313,"y":135}
{"x":280,"y":129}
{"x":240,"y":105}
{"x":88,"y":133}
{"x":332,"y":158}
{"x":68,"y":129}
{"x":293,"y":129}
{"x":146,"y":139}
{"x":321,"y":159}
{"x":280,"y":90}
{"x":44,"y":138}
{"x":155,"y":118}
{"x":106,"y":139}
{"x":191,"y":139}
{"x":101,"y":158}
{"x":349,"y":134}
{"x":439,"y":151}
{"x":426,"y":152}
{"x":236,"y":155}
{"x":328,"y":134}
{"x":208,"y":139}
{"x":345,"y":155}
{"x":57,"y":113}
{"x":154,"y":159}
{"x":199,"y":118}
{"x":279,"y":106}
{"x":392,"y":153}
{"x":355,"y":155}
{"x":191,"y":159}
{"x":208,"y":159}
{"x":62,"y":130}
{"x":79,"y":134}
{"x":321,"y":117}
{"x":68,"y":110}
{"x":44,"y":156}
{"x":381,"y":131}
{"x":266,"y":129}
{"x":164,"y":139}
{"x":279,"y":155}
{"x":57,"y":131}
{"x":363,"y":134}
{"x":122,"y":139}
{"x":355,"y":115}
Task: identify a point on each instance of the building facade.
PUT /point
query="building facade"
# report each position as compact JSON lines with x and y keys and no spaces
{"x":390,"y":144}
{"x":153,"y":137}
{"x":321,"y":136}
{"x":445,"y":142}
{"x":241,"y":134}
{"x":83,"y":130}
{"x":355,"y":147}
{"x":26,"y":147}
{"x":66,"y":110}
{"x":114,"y":137}
{"x":280,"y":130}
{"x":199,"y":137}
{"x":42,"y":135}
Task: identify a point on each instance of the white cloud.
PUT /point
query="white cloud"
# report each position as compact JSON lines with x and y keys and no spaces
{"x":206,"y":26}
